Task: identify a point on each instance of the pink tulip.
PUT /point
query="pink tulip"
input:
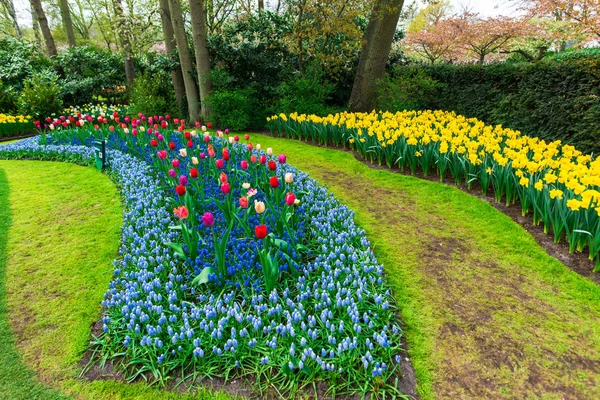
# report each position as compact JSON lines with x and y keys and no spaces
{"x":162,"y":154}
{"x":172,"y":173}
{"x":220,"y":163}
{"x":290,"y":198}
{"x":175,"y":163}
{"x":183,"y":180}
{"x":208,"y":219}
{"x":281,"y":158}
{"x":225,"y":188}
{"x":244,"y":165}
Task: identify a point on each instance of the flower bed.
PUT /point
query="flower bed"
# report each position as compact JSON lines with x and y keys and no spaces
{"x":15,"y":125}
{"x":208,"y":284}
{"x":557,"y":183}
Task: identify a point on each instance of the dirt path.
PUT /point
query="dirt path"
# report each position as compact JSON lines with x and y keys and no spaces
{"x":488,"y":313}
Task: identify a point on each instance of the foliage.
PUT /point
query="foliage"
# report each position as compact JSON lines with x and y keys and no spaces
{"x":152,"y":94}
{"x":306,"y":93}
{"x":7,"y":98}
{"x":20,"y":60}
{"x":15,"y":125}
{"x":406,"y":89}
{"x":556,"y":183}
{"x":552,"y":100}
{"x":40,"y":96}
{"x":232,"y":108}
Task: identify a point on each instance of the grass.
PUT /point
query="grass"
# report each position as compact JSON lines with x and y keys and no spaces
{"x":487,"y":313}
{"x":59,"y":232}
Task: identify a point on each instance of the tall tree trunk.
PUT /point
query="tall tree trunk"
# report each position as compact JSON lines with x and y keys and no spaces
{"x":261,"y":5}
{"x":35,"y":25}
{"x":374,"y":54}
{"x":65,"y":13}
{"x":202,"y":56}
{"x":10,"y":8}
{"x":185,"y":60}
{"x":43,"y":21}
{"x":171,"y":45}
{"x":481,"y":58}
{"x":125,"y":43}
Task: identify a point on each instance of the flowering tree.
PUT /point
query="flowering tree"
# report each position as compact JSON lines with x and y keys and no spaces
{"x":437,"y":42}
{"x":581,"y":15}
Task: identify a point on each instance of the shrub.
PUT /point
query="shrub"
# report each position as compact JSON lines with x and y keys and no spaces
{"x":40,"y":97}
{"x":153,"y":94}
{"x":232,"y":108}
{"x":408,"y":89}
{"x":306,"y":93}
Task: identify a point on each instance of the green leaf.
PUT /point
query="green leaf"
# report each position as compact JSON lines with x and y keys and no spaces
{"x":178,"y":249}
{"x":203,"y":276}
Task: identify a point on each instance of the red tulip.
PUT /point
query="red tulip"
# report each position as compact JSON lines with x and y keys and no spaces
{"x":274,"y":182}
{"x":220,"y":163}
{"x":181,"y":212}
{"x":247,"y":137}
{"x":236,"y":138}
{"x":261,"y":231}
{"x":209,"y":125}
{"x":226,"y":155}
{"x":244,"y":202}
{"x":244,"y":165}
{"x":134,"y":132}
{"x":172,"y":145}
{"x":225,"y":188}
{"x":223,"y":177}
{"x":176,"y":120}
{"x":253,"y":158}
{"x":290,"y":198}
{"x":167,"y":116}
{"x":180,"y":189}
{"x":263,"y":159}
{"x":111,"y":128}
{"x":162,"y":154}
{"x":163,"y":124}
{"x":206,"y":138}
{"x":187,"y":135}
{"x":250,"y":147}
{"x":272,"y":165}
{"x":194,"y":172}
{"x":180,"y":129}
{"x":153,"y":143}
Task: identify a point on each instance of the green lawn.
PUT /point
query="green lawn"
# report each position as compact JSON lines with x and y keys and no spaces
{"x":59,"y":232}
{"x":488,"y":313}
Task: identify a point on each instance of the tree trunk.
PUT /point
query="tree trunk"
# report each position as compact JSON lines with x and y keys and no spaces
{"x":43,"y":21}
{"x":261,"y":5}
{"x":374,"y":54}
{"x":185,"y":60}
{"x":65,"y":13}
{"x":125,"y":43}
{"x":481,"y":58}
{"x":171,"y":45}
{"x":202,"y":56}
{"x":35,"y":25}
{"x":10,"y":9}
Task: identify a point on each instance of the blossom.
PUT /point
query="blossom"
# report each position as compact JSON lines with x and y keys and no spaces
{"x":269,"y":151}
{"x":247,"y":136}
{"x":282,"y":158}
{"x":246,"y":185}
{"x":175,"y":163}
{"x":263,"y":159}
{"x":253,"y":158}
{"x":251,"y":192}
{"x":289,"y":177}
{"x":244,"y":202}
{"x":220,"y":163}
{"x":272,"y":165}
{"x":183,"y":152}
{"x":225,"y":188}
{"x":208,"y":219}
{"x":226,"y":155}
{"x":181,"y":212}
{"x":162,"y":154}
{"x":172,"y":145}
{"x":244,"y":165}
{"x":261,"y":231}
{"x":153,"y":143}
{"x":190,"y":143}
{"x":180,"y":189}
{"x":290,"y":199}
{"x":223,"y":177}
{"x":209,"y":125}
{"x":172,"y":173}
{"x":259,"y":207}
{"x":195,"y":160}
{"x":194,"y":172}
{"x":274,"y":182}
{"x":183,"y":180}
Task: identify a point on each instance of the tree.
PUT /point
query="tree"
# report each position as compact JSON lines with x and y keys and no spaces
{"x":185,"y":59}
{"x":171,"y":47}
{"x":436,"y":42}
{"x":43,"y":22}
{"x":65,"y":13}
{"x":583,"y":15}
{"x":10,"y":9}
{"x":202,"y":56}
{"x":125,"y":42}
{"x":430,"y":15}
{"x":374,"y":54}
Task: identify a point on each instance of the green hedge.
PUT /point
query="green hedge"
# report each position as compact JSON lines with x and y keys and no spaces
{"x":553,"y":99}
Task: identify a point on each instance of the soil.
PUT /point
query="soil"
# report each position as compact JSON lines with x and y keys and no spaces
{"x":577,"y":262}
{"x":25,"y":136}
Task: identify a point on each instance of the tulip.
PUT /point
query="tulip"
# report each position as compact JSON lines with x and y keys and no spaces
{"x":180,"y":190}
{"x":153,"y":143}
{"x":211,"y":151}
{"x":181,"y":212}
{"x":183,"y":180}
{"x":206,"y":138}
{"x":263,"y":159}
{"x":272,"y":165}
{"x":250,"y":147}
{"x":195,"y":160}
{"x":181,"y":128}
{"x":223,"y":177}
{"x":162,"y":154}
{"x":247,"y":136}
{"x":202,"y":156}
{"x":209,"y":125}
{"x":258,"y":146}
{"x":172,"y":173}
{"x":203,"y":128}
{"x":176,"y":120}
{"x":244,"y":202}
{"x":244,"y":165}
{"x":226,"y":131}
{"x":230,"y":139}
{"x":261,"y":231}
{"x":160,"y":138}
{"x":259,"y":207}
{"x":226,"y":155}
{"x":175,"y":163}
{"x":281,"y":158}
{"x":134,"y":132}
{"x":187,"y":135}
{"x":269,"y":151}
{"x":253,"y":158}
{"x":251,"y":192}
{"x":246,"y":185}
{"x":190,"y":144}
{"x":225,"y":188}
{"x":172,"y":145}
{"x":197,"y":124}
{"x":236,"y":138}
{"x":289,"y":177}
{"x":290,"y":199}
{"x":167,"y":117}
{"x":274,"y":182}
{"x":163,"y":124}
{"x":183,"y":152}
{"x":220,"y":163}
{"x":208,"y":219}
{"x":194,"y":172}
{"x":110,"y":128}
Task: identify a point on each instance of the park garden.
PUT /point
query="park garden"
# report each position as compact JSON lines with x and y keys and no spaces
{"x":229,"y":199}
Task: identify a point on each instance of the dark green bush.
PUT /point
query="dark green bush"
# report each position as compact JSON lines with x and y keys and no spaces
{"x":408,"y":89}
{"x":8,"y":99}
{"x":554,"y":99}
{"x":232,"y":108}
{"x":306,"y":93}
{"x":153,"y":94}
{"x":40,"y":97}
